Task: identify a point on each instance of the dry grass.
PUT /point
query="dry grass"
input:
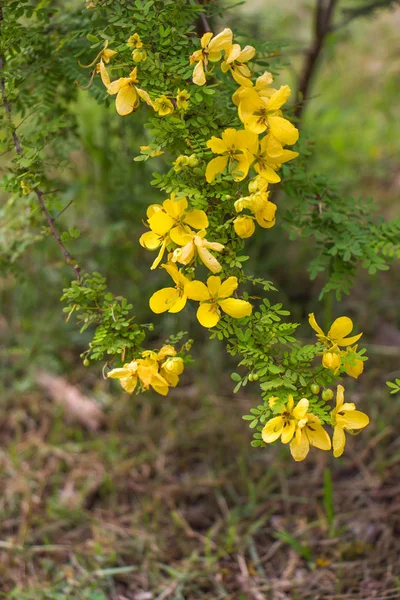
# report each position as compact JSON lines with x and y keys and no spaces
{"x":170,"y":501}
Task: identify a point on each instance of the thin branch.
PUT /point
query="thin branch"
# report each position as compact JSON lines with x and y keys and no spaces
{"x":322,"y":26}
{"x":38,"y":192}
{"x":205,"y":25}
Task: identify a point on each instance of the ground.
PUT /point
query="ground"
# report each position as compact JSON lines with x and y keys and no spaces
{"x":168,"y":500}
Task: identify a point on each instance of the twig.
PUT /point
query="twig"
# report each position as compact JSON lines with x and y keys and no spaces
{"x":38,"y":192}
{"x":204,"y":21}
{"x":322,"y":26}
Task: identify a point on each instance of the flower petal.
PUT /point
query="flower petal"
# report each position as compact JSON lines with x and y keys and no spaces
{"x":221,"y":41}
{"x":126,"y":100}
{"x":213,"y":284}
{"x":199,"y":77}
{"x":217,"y":145}
{"x":161,"y":223}
{"x":196,"y":219}
{"x":272,"y":430}
{"x":299,"y":446}
{"x":150,"y":240}
{"x":283,"y":130}
{"x":340,"y":328}
{"x":197,"y":290}
{"x":208,"y":259}
{"x":228,"y":287}
{"x":356,"y":419}
{"x":207,"y":315}
{"x":175,"y":208}
{"x":236,"y":308}
{"x":180,"y":235}
{"x":288,"y":432}
{"x":314,"y":324}
{"x":301,"y":408}
{"x":129,"y":383}
{"x":179,"y":304}
{"x":163,"y":300}
{"x":215,"y":166}
{"x":338,"y":441}
{"x":317,"y":436}
{"x":279,"y":98}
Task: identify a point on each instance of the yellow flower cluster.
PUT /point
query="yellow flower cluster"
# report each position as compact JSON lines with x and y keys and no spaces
{"x":259,"y":109}
{"x":159,"y":370}
{"x":302,"y":429}
{"x":172,"y":228}
{"x":333,"y":357}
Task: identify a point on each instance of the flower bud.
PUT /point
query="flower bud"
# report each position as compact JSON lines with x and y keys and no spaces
{"x":174,"y":365}
{"x":331,"y":360}
{"x":193,"y":161}
{"x":244,"y":226}
{"x":327,"y":395}
{"x":315,"y":388}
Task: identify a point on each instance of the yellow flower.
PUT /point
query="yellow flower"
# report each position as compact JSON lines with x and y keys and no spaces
{"x":171,"y":369}
{"x":331,"y":360}
{"x":336,"y":336}
{"x":128,"y":93}
{"x":233,"y":147}
{"x":134,"y":41}
{"x":173,"y":217}
{"x":262,"y":88}
{"x":309,"y":432}
{"x":216,"y":296}
{"x":182,"y":98}
{"x":210,"y":52}
{"x":345,"y":417}
{"x":26,"y":189}
{"x":105,"y":55}
{"x":284,"y":425}
{"x":234,"y":61}
{"x":266,"y":163}
{"x":198,"y":244}
{"x":355,"y":368}
{"x":244,"y":226}
{"x":150,"y":151}
{"x":139,"y":55}
{"x":171,"y":299}
{"x":163,"y":106}
{"x":263,"y":210}
{"x":143,"y":369}
{"x":260,"y":113}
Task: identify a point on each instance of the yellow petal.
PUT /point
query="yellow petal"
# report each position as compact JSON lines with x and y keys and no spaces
{"x":129,"y":383}
{"x":197,"y":290}
{"x":145,"y":96}
{"x":150,"y":240}
{"x":166,"y":351}
{"x":205,"y":39}
{"x":356,"y":419}
{"x":217,"y":145}
{"x":186,"y":254}
{"x":288,"y":432}
{"x":179,"y":304}
{"x":159,"y":256}
{"x":339,"y":397}
{"x":213,"y":284}
{"x":126,"y":100}
{"x":207,"y":315}
{"x":163,"y":300}
{"x":248,"y":140}
{"x":159,"y":384}
{"x":314,"y":324}
{"x":228,"y":287}
{"x":240,"y":79}
{"x":279,"y":98}
{"x":119,"y":373}
{"x":318,"y":437}
{"x":299,"y":446}
{"x":301,"y":408}
{"x":338,"y":441}
{"x":232,"y":53}
{"x":215,"y":166}
{"x":246,"y":54}
{"x":356,"y":369}
{"x":208,"y":259}
{"x":244,"y":226}
{"x":272,"y":430}
{"x":175,"y":208}
{"x":105,"y":78}
{"x":340,"y":328}
{"x":221,"y":41}
{"x":181,"y":235}
{"x":199,"y":77}
{"x":173,"y":272}
{"x":161,"y":223}
{"x":196,"y":219}
{"x":240,"y":167}
{"x":236,"y":308}
{"x":115,"y":86}
{"x":283,"y":130}
{"x":267,"y":173}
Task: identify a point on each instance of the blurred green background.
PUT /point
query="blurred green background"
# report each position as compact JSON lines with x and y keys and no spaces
{"x":169,"y":490}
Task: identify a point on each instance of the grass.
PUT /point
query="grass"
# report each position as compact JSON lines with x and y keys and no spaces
{"x":170,"y":501}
